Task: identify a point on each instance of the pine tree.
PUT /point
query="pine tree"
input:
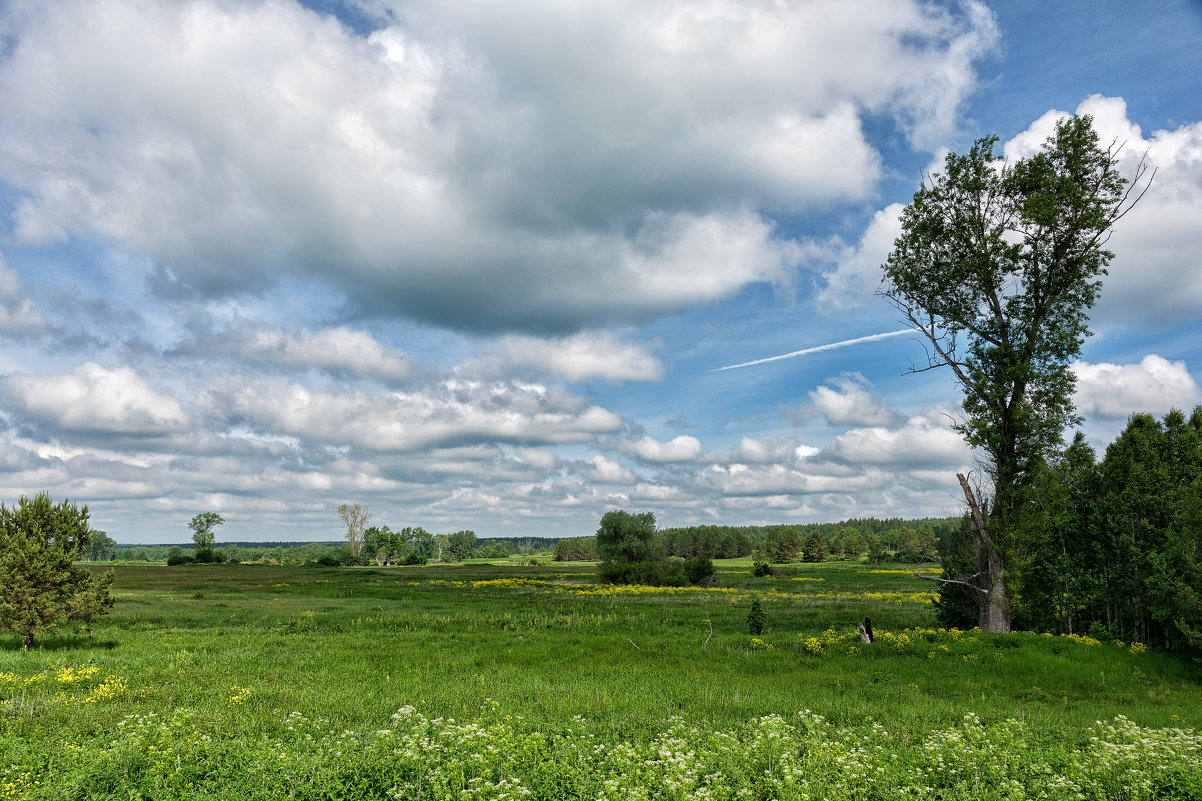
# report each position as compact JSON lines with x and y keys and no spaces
{"x":40,"y":589}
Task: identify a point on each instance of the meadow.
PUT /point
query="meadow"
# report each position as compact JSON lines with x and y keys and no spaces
{"x":517,"y":681}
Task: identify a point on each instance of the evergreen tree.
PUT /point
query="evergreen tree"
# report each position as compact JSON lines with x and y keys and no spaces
{"x":40,"y":589}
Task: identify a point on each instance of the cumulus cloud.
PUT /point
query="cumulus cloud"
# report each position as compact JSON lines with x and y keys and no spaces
{"x":576,"y":358}
{"x":852,"y":401}
{"x":458,"y":168}
{"x":93,"y":399}
{"x":605,"y":471}
{"x":679,"y":449}
{"x":753,"y":451}
{"x":744,"y":480}
{"x":340,"y":351}
{"x":447,"y":414}
{"x":921,"y":441}
{"x":1117,"y":391}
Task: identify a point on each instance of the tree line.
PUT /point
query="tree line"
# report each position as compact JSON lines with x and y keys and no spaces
{"x":1110,"y":547}
{"x":891,"y":539}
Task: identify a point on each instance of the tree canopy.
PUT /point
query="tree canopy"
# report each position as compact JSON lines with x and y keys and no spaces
{"x":997,"y":267}
{"x":202,"y":526}
{"x":40,"y":589}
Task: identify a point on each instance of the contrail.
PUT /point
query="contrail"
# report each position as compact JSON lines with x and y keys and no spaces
{"x":831,"y":346}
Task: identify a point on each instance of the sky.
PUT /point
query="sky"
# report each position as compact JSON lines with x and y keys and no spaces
{"x":480,"y":265}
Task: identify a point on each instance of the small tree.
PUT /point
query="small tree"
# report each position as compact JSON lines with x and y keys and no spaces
{"x":757,"y":618}
{"x":40,"y":589}
{"x":355,"y":516}
{"x":699,"y":569}
{"x":202,"y":534}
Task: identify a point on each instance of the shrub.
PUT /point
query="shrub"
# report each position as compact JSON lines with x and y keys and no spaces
{"x":761,"y":569}
{"x":699,"y":569}
{"x":757,"y":618}
{"x":179,"y":559}
{"x":414,"y":558}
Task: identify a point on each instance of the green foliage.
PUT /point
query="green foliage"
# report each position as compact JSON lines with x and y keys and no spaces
{"x":757,"y":618}
{"x":102,"y":547}
{"x":202,"y":526}
{"x":576,"y":549}
{"x":40,"y":589}
{"x":699,"y":569}
{"x":957,"y":604}
{"x":761,"y":569}
{"x":1114,"y":545}
{"x":782,"y":546}
{"x":500,"y":758}
{"x":625,"y":537}
{"x":629,"y":553}
{"x":998,"y":269}
{"x":384,"y":545}
{"x":460,"y":546}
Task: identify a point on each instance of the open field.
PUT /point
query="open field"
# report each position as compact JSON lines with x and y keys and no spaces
{"x":287,"y":681}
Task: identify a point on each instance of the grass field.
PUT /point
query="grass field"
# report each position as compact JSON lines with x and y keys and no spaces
{"x":508,"y":681}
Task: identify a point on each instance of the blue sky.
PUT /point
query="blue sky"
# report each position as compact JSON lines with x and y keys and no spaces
{"x":479,"y":266}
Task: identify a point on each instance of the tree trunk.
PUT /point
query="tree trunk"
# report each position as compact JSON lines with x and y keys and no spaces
{"x":994,"y":606}
{"x":29,"y":639}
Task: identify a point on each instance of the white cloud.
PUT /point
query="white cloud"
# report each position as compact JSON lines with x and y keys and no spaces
{"x":605,"y":471}
{"x":1117,"y":391}
{"x":18,"y":314}
{"x":579,"y":357}
{"x":856,"y":273}
{"x":448,"y":414}
{"x":753,"y":451}
{"x":96,"y":400}
{"x":768,"y":480}
{"x":922,"y":441}
{"x":599,"y":162}
{"x":336,"y":350}
{"x":679,"y":449}
{"x":852,"y":401}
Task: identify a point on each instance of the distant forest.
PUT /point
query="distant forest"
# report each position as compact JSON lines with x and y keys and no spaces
{"x":893,"y":538}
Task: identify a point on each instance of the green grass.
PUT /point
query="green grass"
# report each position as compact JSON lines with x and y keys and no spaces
{"x":241,"y":647}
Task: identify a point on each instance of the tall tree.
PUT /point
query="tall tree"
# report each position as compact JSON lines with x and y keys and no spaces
{"x":355,"y":516}
{"x":101,"y":547}
{"x":202,"y":526}
{"x":39,"y":587}
{"x":997,"y":267}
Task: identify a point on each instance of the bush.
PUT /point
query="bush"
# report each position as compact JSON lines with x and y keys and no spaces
{"x":757,"y":618}
{"x":179,"y":559}
{"x":650,"y":574}
{"x":414,"y":558}
{"x":328,"y":560}
{"x":699,"y":569}
{"x":761,"y":569}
